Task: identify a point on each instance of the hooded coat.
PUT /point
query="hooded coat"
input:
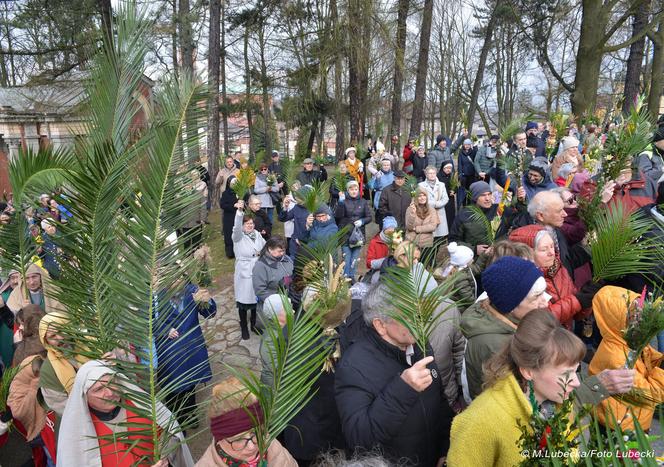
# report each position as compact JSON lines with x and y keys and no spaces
{"x":269,"y":275}
{"x":420,"y":230}
{"x":611,"y":314}
{"x":30,"y":344}
{"x":544,"y":185}
{"x":438,"y":199}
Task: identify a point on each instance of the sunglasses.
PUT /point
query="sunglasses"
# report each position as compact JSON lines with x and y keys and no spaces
{"x":571,"y":200}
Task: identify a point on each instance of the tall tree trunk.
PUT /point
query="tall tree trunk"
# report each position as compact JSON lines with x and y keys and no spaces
{"x":266,"y":97}
{"x":354,"y":86}
{"x":174,"y":41}
{"x":106,"y":12}
{"x":187,"y":49}
{"x":339,"y":121}
{"x":635,"y":58}
{"x":479,"y":77}
{"x":224,"y":97}
{"x":213,"y":85}
{"x":312,"y":136}
{"x":248,"y":97}
{"x":657,"y":71}
{"x":422,"y":67}
{"x":397,"y":80}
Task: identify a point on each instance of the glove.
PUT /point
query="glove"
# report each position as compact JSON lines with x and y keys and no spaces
{"x":358,"y":223}
{"x":587,"y":292}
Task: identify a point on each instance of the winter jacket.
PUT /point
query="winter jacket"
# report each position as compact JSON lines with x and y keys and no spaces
{"x":437,"y":156}
{"x":277,"y":456}
{"x":531,"y":190}
{"x":633,"y":195}
{"x":246,"y":253}
{"x":486,"y":336}
{"x":186,"y":354}
{"x":377,"y":252}
{"x":352,"y":209}
{"x":408,"y":155}
{"x":262,"y":223}
{"x":468,"y":231}
{"x":465,"y":286}
{"x":610,"y":314}
{"x":438,"y":199}
{"x":308,"y":178}
{"x":419,"y":164}
{"x":380,"y":183}
{"x":379,"y":410}
{"x":420,"y":230}
{"x":485,"y":159}
{"x":263,"y":190}
{"x":321,"y":231}
{"x":270,"y":275}
{"x":448,"y":345}
{"x":276,"y":168}
{"x":466,"y":163}
{"x":393,"y":202}
{"x":334,"y":193}
{"x":574,"y":229}
{"x":223,"y":176}
{"x":650,"y":163}
{"x":486,"y":432}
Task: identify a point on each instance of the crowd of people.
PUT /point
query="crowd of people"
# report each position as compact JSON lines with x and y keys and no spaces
{"x":524,"y":314}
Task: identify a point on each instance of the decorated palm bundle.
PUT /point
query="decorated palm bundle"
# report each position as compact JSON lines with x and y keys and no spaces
{"x":245,"y":181}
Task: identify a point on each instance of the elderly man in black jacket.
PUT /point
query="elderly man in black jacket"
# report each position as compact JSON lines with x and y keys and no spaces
{"x":394,"y":201}
{"x":389,"y":397}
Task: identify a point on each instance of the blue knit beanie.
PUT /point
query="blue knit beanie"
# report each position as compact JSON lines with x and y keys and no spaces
{"x":389,"y":222}
{"x":508,"y":281}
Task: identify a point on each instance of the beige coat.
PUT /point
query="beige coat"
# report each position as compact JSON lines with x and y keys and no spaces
{"x":277,"y":456}
{"x":419,"y":230}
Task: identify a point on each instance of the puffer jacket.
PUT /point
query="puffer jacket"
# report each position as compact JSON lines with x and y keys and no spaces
{"x":379,"y":410}
{"x":448,"y":345}
{"x":351,"y":209}
{"x":610,"y":313}
{"x":563,"y":305}
{"x":485,"y":159}
{"x":420,"y":230}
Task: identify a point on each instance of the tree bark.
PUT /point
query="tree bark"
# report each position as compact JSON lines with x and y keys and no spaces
{"x":224,"y":97}
{"x":397,"y":80}
{"x":354,"y":85}
{"x":248,"y":98}
{"x":213,"y":85}
{"x":106,"y":12}
{"x":635,"y":58}
{"x":174,"y":41}
{"x":264,"y":85}
{"x":484,"y":53}
{"x":422,"y":66}
{"x":657,"y":72}
{"x":339,"y":121}
{"x":187,"y":49}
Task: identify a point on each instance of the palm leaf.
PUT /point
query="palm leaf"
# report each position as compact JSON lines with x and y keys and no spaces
{"x":511,"y":128}
{"x":297,"y":354}
{"x":477,"y":215}
{"x":418,"y":301}
{"x":314,"y":197}
{"x":245,"y":180}
{"x":341,"y":182}
{"x":618,"y":248}
{"x":8,"y":375}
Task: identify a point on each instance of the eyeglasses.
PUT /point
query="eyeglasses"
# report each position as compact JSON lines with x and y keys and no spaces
{"x":263,"y":170}
{"x":240,"y":443}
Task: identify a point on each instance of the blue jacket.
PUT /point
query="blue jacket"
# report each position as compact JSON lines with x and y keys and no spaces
{"x":321,"y":231}
{"x":186,"y":357}
{"x":299,"y":216}
{"x":380,"y":184}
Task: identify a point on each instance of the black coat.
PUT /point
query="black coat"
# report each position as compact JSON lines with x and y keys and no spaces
{"x":419,"y":164}
{"x":351,"y":210}
{"x":379,"y":410}
{"x":308,"y":178}
{"x":262,"y":223}
{"x":466,"y":163}
{"x":394,"y":201}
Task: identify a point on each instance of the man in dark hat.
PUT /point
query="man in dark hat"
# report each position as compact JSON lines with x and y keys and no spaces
{"x":308,"y":175}
{"x":534,"y":141}
{"x":394,"y":200}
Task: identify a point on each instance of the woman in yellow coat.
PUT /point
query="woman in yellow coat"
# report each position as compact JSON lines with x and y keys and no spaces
{"x":610,"y":310}
{"x":539,"y":357}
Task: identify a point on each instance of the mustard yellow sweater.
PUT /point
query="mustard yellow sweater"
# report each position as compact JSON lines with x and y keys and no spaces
{"x":486,"y":432}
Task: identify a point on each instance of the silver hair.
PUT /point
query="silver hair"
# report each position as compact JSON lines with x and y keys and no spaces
{"x":540,"y":235}
{"x":376,"y":304}
{"x":253,"y":198}
{"x":539,"y":203}
{"x":430,"y":167}
{"x":560,"y":190}
{"x":566,"y":169}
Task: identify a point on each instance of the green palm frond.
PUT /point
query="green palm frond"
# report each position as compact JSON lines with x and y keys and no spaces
{"x":297,"y":354}
{"x":245,"y":181}
{"x":411,"y":185}
{"x":341,"y":182}
{"x":618,"y":247}
{"x":8,"y":375}
{"x":513,"y":127}
{"x":477,"y":215}
{"x":289,"y":170}
{"x":314,"y":197}
{"x":632,"y":136}
{"x":418,"y":301}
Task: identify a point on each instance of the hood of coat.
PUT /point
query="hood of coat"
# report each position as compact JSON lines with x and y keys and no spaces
{"x":273,"y":262}
{"x":610,"y":310}
{"x":476,"y":321}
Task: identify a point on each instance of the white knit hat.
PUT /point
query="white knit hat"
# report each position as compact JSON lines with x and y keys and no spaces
{"x":349,"y":150}
{"x":460,"y":255}
{"x":568,"y":142}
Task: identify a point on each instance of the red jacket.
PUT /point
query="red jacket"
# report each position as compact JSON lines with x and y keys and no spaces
{"x":408,"y":153}
{"x":564,"y":305}
{"x":377,"y":249}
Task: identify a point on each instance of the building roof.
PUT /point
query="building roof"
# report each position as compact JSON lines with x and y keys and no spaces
{"x":60,"y":98}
